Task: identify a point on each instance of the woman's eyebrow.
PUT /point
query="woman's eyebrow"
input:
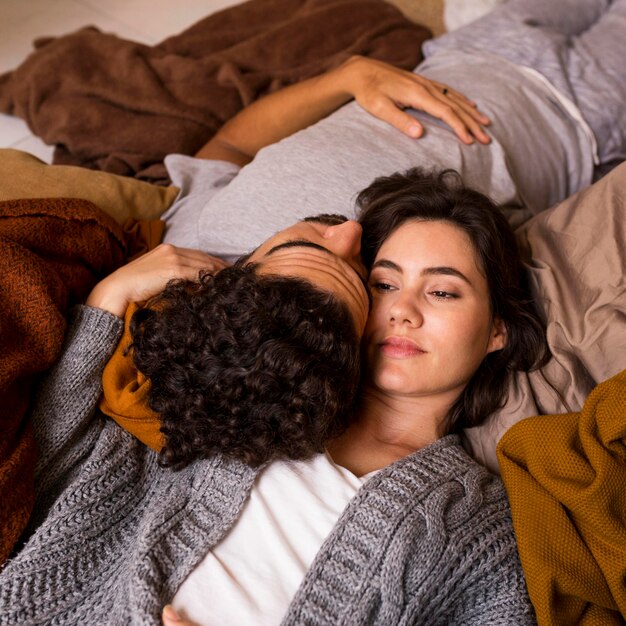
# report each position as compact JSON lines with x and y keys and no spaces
{"x":441,"y":269}
{"x":447,"y":271}
{"x":387,"y":264}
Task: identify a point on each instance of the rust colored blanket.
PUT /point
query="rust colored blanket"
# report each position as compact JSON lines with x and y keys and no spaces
{"x":566,"y":476}
{"x":120,"y":106}
{"x":52,"y":252}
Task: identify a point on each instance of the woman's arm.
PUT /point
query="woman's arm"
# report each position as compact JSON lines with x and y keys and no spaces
{"x":63,"y":409}
{"x":171,"y":618}
{"x":148,"y":275}
{"x":68,"y":395}
{"x":381,"y":89}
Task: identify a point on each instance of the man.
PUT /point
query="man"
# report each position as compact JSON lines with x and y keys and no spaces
{"x":544,"y":134}
{"x":540,"y":151}
{"x":194,"y":405}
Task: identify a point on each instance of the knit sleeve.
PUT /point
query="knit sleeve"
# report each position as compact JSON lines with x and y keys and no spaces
{"x":504,"y":606}
{"x":64,"y":406}
{"x":496,"y":594}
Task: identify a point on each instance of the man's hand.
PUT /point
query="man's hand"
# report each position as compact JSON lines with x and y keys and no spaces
{"x":171,"y":618}
{"x":380,"y":89}
{"x":147,"y":276}
{"x":384,"y":91}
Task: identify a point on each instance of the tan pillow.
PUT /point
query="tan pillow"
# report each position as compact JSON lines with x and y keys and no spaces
{"x":577,"y":268}
{"x":25,"y":176}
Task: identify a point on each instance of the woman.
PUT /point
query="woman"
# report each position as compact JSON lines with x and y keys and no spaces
{"x":448,"y":324}
{"x":394,"y":524}
{"x":448,"y":321}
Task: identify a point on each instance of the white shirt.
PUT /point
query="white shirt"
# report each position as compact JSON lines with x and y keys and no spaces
{"x":251,"y":576}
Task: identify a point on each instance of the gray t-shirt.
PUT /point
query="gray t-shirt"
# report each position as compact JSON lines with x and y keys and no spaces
{"x":538,"y":155}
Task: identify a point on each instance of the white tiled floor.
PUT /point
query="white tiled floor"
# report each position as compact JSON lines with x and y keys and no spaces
{"x":22,"y":21}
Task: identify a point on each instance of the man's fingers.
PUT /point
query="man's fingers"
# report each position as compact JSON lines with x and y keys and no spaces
{"x":463,"y":122}
{"x":388,"y":91}
{"x":389,"y":112}
{"x":446,"y":114}
{"x":451,"y":107}
{"x":441,"y":92}
{"x":474,"y":127}
{"x":440,"y":87}
{"x":465,"y":127}
{"x":470,"y":110}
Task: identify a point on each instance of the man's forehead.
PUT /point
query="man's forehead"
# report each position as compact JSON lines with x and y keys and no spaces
{"x":303,"y":243}
{"x":327,"y":219}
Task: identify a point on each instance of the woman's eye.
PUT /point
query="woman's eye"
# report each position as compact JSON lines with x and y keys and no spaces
{"x":380,"y":286}
{"x":444,"y":295}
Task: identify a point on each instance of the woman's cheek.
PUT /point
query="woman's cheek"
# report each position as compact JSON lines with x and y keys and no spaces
{"x":372,"y":320}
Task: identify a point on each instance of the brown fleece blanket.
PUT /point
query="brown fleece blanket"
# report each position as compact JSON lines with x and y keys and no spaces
{"x":52,"y":252}
{"x":120,"y":106}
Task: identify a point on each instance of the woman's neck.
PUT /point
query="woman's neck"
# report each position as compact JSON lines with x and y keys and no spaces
{"x":387,"y":428}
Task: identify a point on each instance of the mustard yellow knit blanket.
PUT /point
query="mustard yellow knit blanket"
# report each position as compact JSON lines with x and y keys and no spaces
{"x":566,"y":479}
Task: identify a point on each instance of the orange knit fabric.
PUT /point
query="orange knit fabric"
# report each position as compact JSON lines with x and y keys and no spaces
{"x":53,"y":253}
{"x":125,"y":393}
{"x":566,"y":479}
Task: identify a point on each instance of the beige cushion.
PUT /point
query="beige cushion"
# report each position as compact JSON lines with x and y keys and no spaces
{"x":25,"y":176}
{"x":577,"y":252}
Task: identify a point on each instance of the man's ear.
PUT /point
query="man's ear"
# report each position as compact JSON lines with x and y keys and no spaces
{"x":498,"y":337}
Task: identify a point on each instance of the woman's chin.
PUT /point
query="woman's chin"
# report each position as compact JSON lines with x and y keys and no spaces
{"x":394,"y":380}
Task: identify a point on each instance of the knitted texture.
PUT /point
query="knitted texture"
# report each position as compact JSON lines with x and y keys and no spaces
{"x":428,"y":540}
{"x":566,"y":475}
{"x":113,"y":535}
{"x":53,"y":252}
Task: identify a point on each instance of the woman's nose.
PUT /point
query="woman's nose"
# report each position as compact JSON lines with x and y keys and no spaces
{"x":405,"y":309}
{"x":344,"y":239}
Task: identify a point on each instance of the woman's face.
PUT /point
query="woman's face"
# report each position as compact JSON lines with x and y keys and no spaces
{"x":430,"y":325}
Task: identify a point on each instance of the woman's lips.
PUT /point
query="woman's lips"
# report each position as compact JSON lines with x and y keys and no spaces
{"x":400,"y":348}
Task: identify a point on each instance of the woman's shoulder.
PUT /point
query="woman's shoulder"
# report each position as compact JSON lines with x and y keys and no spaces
{"x":445,"y":487}
{"x":438,"y":526}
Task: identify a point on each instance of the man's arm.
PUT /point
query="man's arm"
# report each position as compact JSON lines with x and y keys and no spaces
{"x":381,"y":89}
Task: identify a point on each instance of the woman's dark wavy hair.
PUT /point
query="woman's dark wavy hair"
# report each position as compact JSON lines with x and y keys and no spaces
{"x":418,"y":195}
{"x":256,"y":367}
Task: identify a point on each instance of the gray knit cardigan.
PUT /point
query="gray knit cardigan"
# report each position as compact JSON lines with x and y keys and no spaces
{"x":427,"y":540}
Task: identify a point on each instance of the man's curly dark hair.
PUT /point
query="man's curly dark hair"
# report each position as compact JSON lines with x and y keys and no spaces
{"x":256,"y":367}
